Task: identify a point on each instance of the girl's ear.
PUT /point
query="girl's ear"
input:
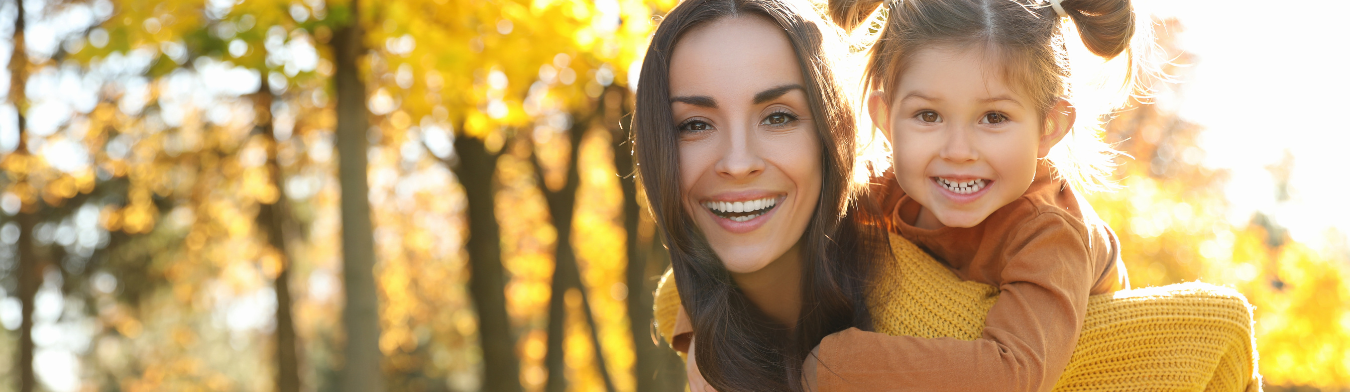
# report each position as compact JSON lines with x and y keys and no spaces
{"x":880,"y":113}
{"x":1058,"y":124}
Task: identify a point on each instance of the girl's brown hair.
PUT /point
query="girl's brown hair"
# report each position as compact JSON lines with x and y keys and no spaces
{"x":1026,"y":38}
{"x":739,"y":348}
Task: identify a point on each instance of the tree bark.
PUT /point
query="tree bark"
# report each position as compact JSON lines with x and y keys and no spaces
{"x":273,"y":219}
{"x":29,"y":270}
{"x":30,"y":278}
{"x":566,"y":274}
{"x":360,"y":316}
{"x":487,"y":282}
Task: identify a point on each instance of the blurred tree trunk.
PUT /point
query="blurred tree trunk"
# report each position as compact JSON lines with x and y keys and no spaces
{"x":30,"y":278}
{"x":656,"y":368}
{"x":273,"y":219}
{"x":566,"y":274}
{"x":29,"y":270}
{"x":487,"y":281}
{"x":360,"y":317}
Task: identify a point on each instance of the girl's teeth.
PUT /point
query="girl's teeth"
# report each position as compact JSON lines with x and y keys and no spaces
{"x":964,"y":187}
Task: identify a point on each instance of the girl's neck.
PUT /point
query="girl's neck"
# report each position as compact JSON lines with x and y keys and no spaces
{"x":776,"y":288}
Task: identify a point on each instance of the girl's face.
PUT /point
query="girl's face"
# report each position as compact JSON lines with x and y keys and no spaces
{"x":750,"y":171}
{"x":965,"y":143}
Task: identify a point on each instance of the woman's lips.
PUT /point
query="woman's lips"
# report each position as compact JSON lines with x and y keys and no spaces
{"x":742,"y":216}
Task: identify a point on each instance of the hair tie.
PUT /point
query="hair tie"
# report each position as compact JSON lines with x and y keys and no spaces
{"x":1059,"y":10}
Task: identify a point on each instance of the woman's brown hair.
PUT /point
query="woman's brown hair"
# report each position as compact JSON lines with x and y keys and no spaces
{"x":739,"y":348}
{"x":1026,"y":39}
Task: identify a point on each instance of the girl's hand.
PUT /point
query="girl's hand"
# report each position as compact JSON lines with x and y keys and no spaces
{"x":696,"y":382}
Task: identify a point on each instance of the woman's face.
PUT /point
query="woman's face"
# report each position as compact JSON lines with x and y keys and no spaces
{"x":749,"y":154}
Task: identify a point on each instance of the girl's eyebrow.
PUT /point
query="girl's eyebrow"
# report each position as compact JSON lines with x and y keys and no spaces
{"x":916,"y":94}
{"x":919,"y":95}
{"x":776,"y":92}
{"x":1001,"y":98}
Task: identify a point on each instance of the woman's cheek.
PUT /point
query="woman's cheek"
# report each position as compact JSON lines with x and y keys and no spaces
{"x":693,"y":157}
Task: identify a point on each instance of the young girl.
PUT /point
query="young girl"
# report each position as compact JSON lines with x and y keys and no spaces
{"x":973,"y":96}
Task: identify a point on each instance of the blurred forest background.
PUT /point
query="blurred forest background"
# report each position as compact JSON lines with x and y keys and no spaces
{"x":431,"y":195}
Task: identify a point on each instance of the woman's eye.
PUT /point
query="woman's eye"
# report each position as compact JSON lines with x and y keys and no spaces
{"x":694,"y":126}
{"x":778,"y":119}
{"x":994,"y":118}
{"x":929,"y":117}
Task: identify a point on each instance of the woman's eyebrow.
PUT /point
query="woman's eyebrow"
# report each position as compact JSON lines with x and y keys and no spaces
{"x":697,"y":100}
{"x":776,"y":92}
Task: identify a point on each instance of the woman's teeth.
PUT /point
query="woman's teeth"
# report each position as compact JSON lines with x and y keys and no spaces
{"x":962,"y":187}
{"x":741,"y":211}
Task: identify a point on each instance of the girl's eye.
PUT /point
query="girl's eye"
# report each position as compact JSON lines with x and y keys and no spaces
{"x":929,"y":116}
{"x":694,"y":126}
{"x":778,"y":119}
{"x":994,"y":118}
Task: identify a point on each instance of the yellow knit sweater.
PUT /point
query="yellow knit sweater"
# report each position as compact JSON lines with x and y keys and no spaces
{"x":1181,"y":337}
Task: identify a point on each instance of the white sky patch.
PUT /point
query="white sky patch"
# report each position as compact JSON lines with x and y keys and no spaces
{"x":1268,"y":79}
{"x":66,"y":155}
{"x":58,"y":369}
{"x":253,"y":311}
{"x":9,"y":128}
{"x":227,"y":79}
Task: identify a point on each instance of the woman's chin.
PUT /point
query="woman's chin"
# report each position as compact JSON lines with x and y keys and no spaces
{"x":745,"y":261}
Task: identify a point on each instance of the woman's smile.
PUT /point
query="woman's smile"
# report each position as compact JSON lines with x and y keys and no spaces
{"x":742,"y":215}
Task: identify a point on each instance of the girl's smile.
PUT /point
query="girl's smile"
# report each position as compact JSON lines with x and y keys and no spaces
{"x":962,"y":190}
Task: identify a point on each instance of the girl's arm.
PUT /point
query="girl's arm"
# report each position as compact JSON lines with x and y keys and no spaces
{"x":1026,"y":343}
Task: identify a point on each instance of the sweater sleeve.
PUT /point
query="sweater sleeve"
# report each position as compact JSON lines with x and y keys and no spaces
{"x":1028,"y":338}
{"x":682,"y":334}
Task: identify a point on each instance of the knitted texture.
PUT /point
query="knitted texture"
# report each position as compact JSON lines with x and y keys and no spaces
{"x":1181,"y":337}
{"x":666,"y":307}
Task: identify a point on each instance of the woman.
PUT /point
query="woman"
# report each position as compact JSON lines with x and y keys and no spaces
{"x":745,"y":148}
{"x":738,"y":99}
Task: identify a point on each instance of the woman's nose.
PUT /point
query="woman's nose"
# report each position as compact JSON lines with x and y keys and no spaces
{"x":740,"y":157}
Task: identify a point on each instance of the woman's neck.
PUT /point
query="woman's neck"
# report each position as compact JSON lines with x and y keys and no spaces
{"x":776,"y":288}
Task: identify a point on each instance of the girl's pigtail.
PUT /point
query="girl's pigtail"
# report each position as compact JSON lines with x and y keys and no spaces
{"x":1105,"y":25}
{"x":849,"y":14}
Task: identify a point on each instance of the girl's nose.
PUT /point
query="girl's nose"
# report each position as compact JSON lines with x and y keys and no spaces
{"x":958,"y":147}
{"x":740,"y":159}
